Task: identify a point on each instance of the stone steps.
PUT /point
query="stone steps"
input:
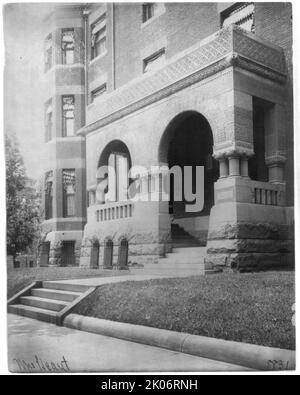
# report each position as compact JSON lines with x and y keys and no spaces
{"x":43,"y":303}
{"x":61,"y":286}
{"x":65,"y":296}
{"x":46,"y":303}
{"x":33,"y":312}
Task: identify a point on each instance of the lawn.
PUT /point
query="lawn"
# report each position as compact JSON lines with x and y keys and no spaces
{"x":17,"y":279}
{"x":251,"y":308}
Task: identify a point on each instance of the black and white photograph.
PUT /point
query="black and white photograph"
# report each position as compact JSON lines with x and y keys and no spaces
{"x":150,"y":190}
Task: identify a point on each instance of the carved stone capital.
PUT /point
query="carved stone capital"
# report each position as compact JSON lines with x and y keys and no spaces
{"x":232,"y":151}
{"x":276,"y":159}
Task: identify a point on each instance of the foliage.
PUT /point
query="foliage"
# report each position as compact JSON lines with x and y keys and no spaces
{"x":22,"y":213}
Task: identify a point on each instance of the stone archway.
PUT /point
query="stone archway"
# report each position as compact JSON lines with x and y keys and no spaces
{"x":188,"y":142}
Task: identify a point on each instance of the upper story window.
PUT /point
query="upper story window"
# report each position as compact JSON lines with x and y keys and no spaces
{"x":148,"y":11}
{"x":98,"y":92}
{"x":49,"y":195}
{"x":241,"y":14}
{"x":67,"y":46}
{"x":155,"y":61}
{"x":69,"y":183}
{"x":68,"y":104}
{"x":49,"y":120}
{"x":48,"y":52}
{"x":98,"y":37}
{"x":151,"y":10}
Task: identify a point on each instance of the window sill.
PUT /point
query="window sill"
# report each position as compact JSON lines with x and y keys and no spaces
{"x":98,"y":57}
{"x":148,"y":22}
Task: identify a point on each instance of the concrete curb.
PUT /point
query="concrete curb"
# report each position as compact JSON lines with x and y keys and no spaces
{"x":242,"y":354}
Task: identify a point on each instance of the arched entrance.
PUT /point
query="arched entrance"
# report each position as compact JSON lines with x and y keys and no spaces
{"x":188,"y":142}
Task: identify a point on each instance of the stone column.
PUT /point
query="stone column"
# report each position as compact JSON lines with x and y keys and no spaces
{"x":276,"y":169}
{"x":234,"y":166}
{"x":244,"y":167}
{"x":224,"y":169}
{"x":275,"y":128}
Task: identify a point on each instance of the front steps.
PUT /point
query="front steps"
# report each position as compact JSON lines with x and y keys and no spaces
{"x":48,"y":301}
{"x":187,"y":255}
{"x":189,"y":259}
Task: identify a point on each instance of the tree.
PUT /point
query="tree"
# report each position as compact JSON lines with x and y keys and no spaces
{"x":22,"y":212}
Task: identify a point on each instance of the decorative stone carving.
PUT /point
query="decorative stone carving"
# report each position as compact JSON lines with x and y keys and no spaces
{"x":229,"y":47}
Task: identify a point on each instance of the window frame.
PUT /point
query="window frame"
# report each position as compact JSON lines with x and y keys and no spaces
{"x":65,"y":118}
{"x":48,"y":121}
{"x":148,"y":8}
{"x":94,"y":95}
{"x":48,"y":195}
{"x":156,"y":55}
{"x":225,"y":14}
{"x":66,"y":195}
{"x":99,"y":36}
{"x":65,"y":50}
{"x":48,"y":53}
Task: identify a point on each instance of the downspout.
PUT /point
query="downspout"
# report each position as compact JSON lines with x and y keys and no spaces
{"x":113,"y":80}
{"x":86,"y":12}
{"x":86,"y":60}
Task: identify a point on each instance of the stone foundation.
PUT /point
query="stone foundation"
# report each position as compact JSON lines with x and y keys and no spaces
{"x":251,"y":246}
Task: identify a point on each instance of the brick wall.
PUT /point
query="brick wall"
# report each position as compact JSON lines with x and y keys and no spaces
{"x":274,"y":23}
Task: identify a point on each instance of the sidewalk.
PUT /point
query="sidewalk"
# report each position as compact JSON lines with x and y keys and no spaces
{"x":150,"y":272}
{"x":86,"y":352}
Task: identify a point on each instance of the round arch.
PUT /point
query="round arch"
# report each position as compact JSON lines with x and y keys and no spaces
{"x":188,"y":142}
{"x":113,"y":184}
{"x":116,"y":146}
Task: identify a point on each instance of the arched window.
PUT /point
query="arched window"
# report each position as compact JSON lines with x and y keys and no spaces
{"x":108,"y":254}
{"x":95,"y":255}
{"x":112,"y":173}
{"x":123,"y":254}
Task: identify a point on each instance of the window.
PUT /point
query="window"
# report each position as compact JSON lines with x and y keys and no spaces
{"x":98,"y":37}
{"x":118,"y":177}
{"x":49,"y":195}
{"x":154,"y":61}
{"x":68,"y":115}
{"x":98,"y":92}
{"x":69,"y":183}
{"x":67,"y":46}
{"x":148,"y":11}
{"x":48,"y":52}
{"x":241,"y":14}
{"x":49,"y":121}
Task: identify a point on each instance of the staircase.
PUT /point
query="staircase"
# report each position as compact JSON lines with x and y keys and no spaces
{"x":187,"y":255}
{"x":49,"y":301}
{"x":181,"y":238}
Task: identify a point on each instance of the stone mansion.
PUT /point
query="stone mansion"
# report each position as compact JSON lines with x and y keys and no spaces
{"x":168,"y":84}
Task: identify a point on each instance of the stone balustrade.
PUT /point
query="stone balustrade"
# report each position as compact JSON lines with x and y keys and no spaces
{"x":111,"y":211}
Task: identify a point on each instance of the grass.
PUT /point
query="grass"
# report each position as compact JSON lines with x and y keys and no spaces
{"x":17,"y":279}
{"x":251,"y":308}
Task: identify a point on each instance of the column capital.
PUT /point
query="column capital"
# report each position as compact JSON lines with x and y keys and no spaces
{"x":275,"y":159}
{"x":232,"y":151}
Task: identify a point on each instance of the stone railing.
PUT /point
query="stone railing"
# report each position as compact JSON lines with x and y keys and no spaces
{"x":268,"y":194}
{"x":228,"y":47}
{"x":111,"y":211}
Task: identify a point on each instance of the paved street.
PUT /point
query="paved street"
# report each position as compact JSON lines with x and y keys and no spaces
{"x":38,"y":346}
